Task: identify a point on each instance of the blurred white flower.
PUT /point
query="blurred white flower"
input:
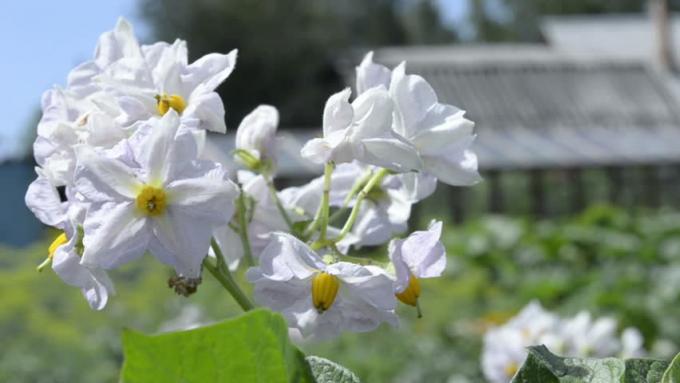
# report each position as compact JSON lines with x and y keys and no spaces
{"x":157,"y":198}
{"x":321,"y":300}
{"x":419,"y":256}
{"x":590,"y":338}
{"x":361,"y":131}
{"x":505,"y":346}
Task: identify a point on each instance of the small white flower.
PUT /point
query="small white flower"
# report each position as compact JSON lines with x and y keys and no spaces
{"x":361,"y":131}
{"x":420,"y":255}
{"x":156,"y":196}
{"x":44,"y":201}
{"x":503,"y":354}
{"x":319,"y":299}
{"x":257,"y":133}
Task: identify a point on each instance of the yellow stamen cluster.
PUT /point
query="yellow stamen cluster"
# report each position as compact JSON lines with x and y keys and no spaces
{"x":151,"y":201}
{"x":60,"y":240}
{"x":411,"y":292}
{"x":325,"y":288}
{"x":165,"y":102}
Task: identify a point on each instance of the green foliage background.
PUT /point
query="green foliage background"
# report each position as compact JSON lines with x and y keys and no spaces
{"x":605,"y":260}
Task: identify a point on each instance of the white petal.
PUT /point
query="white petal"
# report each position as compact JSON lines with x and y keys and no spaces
{"x":109,"y":176}
{"x":372,"y":114}
{"x":114,"y":234}
{"x":229,"y":242}
{"x":211,"y":70}
{"x":338,"y":113}
{"x":210,"y":198}
{"x":438,"y":138}
{"x":391,"y":153}
{"x":286,"y":257}
{"x":182,"y":241}
{"x":423,"y":253}
{"x":95,"y":284}
{"x":370,"y":74}
{"x":207,"y":107}
{"x":317,"y":150}
{"x":43,"y":200}
{"x":413,"y":97}
{"x":116,"y":44}
{"x":457,"y":168}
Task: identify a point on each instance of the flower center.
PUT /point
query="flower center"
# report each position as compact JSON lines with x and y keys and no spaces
{"x":510,"y":369}
{"x":324,"y":290}
{"x":165,"y":102}
{"x":151,"y":201}
{"x":60,"y":240}
{"x":411,"y":292}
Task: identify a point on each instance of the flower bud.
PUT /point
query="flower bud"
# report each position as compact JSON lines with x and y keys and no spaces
{"x":325,"y":288}
{"x":256,"y":134}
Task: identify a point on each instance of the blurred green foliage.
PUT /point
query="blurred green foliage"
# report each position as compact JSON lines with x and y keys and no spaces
{"x":605,"y":260}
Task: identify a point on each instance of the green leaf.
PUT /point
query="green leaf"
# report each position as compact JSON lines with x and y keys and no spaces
{"x":325,"y":371}
{"x":543,"y":366}
{"x":251,"y":348}
{"x":672,"y":374}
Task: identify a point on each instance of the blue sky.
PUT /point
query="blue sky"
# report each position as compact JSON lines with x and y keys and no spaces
{"x":42,"y":40}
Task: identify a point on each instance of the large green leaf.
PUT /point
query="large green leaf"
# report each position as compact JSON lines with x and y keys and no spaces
{"x":542,"y":366}
{"x":672,"y":374}
{"x":251,"y":348}
{"x":325,"y":371}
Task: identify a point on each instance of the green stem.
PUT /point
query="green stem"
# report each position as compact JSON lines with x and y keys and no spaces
{"x":243,"y":229}
{"x":223,"y":275}
{"x":321,"y":217}
{"x":325,"y":200}
{"x":353,"y":191}
{"x":372,"y":182}
{"x":277,"y":201}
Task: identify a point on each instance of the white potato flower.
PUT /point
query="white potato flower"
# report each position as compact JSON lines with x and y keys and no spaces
{"x":158,"y":78}
{"x":321,"y":300}
{"x":64,"y":253}
{"x":155,"y":197}
{"x":420,"y":255}
{"x":361,"y":131}
{"x":440,"y":132}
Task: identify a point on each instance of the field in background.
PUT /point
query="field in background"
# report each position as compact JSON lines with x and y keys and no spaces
{"x":605,"y":260}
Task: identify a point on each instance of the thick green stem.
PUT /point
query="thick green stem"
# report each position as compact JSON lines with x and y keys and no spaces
{"x":223,"y":275}
{"x":243,"y":228}
{"x":372,"y":182}
{"x":277,"y":201}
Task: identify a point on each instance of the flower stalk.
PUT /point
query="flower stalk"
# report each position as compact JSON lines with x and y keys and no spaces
{"x":372,"y":182}
{"x":221,"y":272}
{"x":243,"y":228}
